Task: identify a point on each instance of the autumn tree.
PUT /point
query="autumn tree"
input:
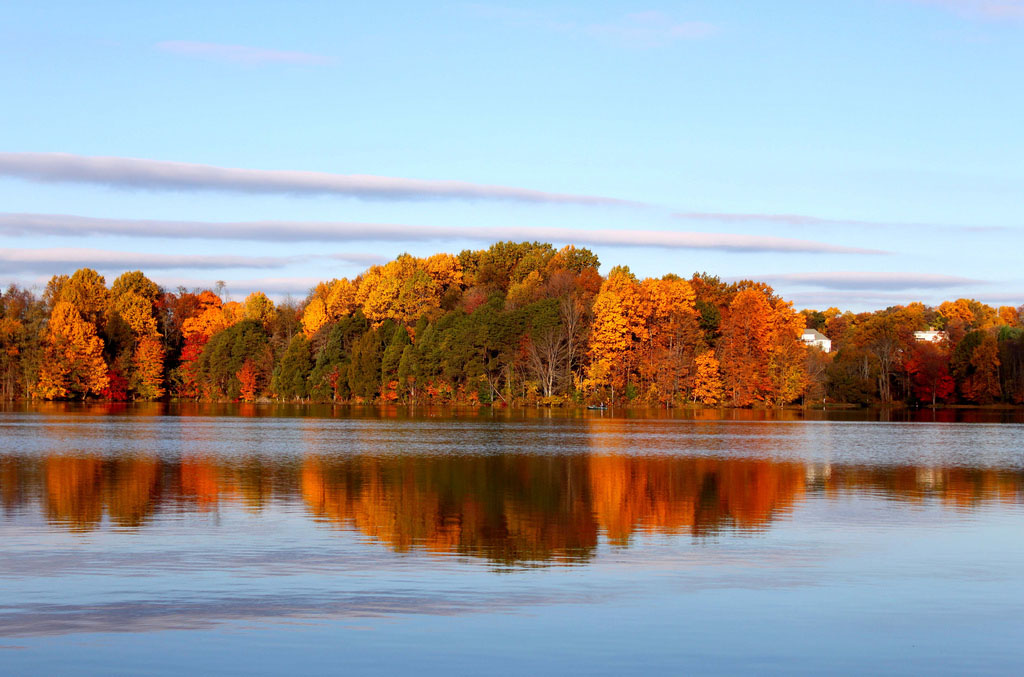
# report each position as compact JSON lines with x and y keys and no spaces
{"x":260,"y":308}
{"x":86,"y":290}
{"x":976,"y":365}
{"x":135,"y":347}
{"x":707,"y":383}
{"x":617,"y":329}
{"x":408,"y":288}
{"x":341,"y":300}
{"x":928,"y":366}
{"x":73,"y":363}
{"x":760,"y":350}
{"x":787,"y":363}
{"x":886,"y":337}
{"x":314,"y":317}
{"x":135,"y":282}
{"x":248,"y":381}
{"x":147,"y":375}
{"x":22,"y":325}
{"x":671,"y":337}
{"x":745,"y":348}
{"x":205,"y":317}
{"x":965,"y":315}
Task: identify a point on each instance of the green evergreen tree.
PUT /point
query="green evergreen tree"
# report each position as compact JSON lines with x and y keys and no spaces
{"x":291,"y":378}
{"x":225,"y":353}
{"x":393,"y":354}
{"x":329,"y":379}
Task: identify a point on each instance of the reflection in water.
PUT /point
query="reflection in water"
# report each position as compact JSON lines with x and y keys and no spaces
{"x":271,"y":542}
{"x":508,"y":508}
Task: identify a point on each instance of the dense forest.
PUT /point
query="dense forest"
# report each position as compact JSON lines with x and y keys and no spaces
{"x":514,"y":324}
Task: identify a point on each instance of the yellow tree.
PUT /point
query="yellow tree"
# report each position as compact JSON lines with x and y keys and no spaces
{"x":137,"y":283}
{"x":73,"y":363}
{"x":787,"y":367}
{"x":137,"y":312}
{"x":341,"y":301}
{"x":667,"y":306}
{"x":314,"y":316}
{"x":445,"y":270}
{"x":408,"y":288}
{"x":260,"y":308}
{"x":148,"y":368}
{"x":707,"y":383}
{"x":1009,"y":316}
{"x":139,"y":353}
{"x":86,"y":290}
{"x":617,"y":329}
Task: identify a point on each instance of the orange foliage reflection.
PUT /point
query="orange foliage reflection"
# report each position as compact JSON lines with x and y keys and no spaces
{"x":695,"y":495}
{"x":505,"y":508}
{"x":509,"y":508}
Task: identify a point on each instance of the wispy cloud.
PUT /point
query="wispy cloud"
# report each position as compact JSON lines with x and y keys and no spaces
{"x":872,"y":281}
{"x":998,"y":10}
{"x":277,"y":287}
{"x":870,"y":300}
{"x":13,"y":224}
{"x":784,"y":219}
{"x":138,"y":173}
{"x":241,"y":54}
{"x":635,"y":29}
{"x":809,"y":220}
{"x":61,"y":259}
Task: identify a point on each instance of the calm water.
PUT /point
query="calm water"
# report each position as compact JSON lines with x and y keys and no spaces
{"x":250,"y":541}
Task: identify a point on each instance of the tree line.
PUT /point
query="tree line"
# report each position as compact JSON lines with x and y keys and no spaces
{"x":513,"y":324}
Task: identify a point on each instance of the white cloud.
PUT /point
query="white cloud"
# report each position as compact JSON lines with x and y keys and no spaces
{"x":876,"y":281}
{"x":62,"y":259}
{"x":275,"y":287}
{"x":137,"y":173}
{"x":240,"y":53}
{"x":13,"y":224}
{"x":789,"y":219}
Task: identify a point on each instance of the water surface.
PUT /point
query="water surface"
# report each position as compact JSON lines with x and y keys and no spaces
{"x":162,"y":540}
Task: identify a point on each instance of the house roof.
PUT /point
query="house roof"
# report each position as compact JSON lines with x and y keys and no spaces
{"x":814,"y":335}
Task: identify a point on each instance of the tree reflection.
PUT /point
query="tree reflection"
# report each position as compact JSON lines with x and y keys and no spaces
{"x":507,"y":508}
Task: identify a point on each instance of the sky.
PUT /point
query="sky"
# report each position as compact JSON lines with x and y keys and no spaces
{"x":852,"y":153}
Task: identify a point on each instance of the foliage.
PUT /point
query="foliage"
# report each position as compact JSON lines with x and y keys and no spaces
{"x":73,"y":365}
{"x":225,"y":354}
{"x":515,"y":323}
{"x":291,"y":375}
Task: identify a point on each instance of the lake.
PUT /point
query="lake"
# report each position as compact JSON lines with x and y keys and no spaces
{"x":266,"y":540}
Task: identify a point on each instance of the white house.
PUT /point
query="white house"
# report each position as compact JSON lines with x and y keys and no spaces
{"x":813,"y":337}
{"x":932,"y":335}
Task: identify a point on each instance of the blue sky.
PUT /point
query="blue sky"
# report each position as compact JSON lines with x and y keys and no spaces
{"x":856,"y":153}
